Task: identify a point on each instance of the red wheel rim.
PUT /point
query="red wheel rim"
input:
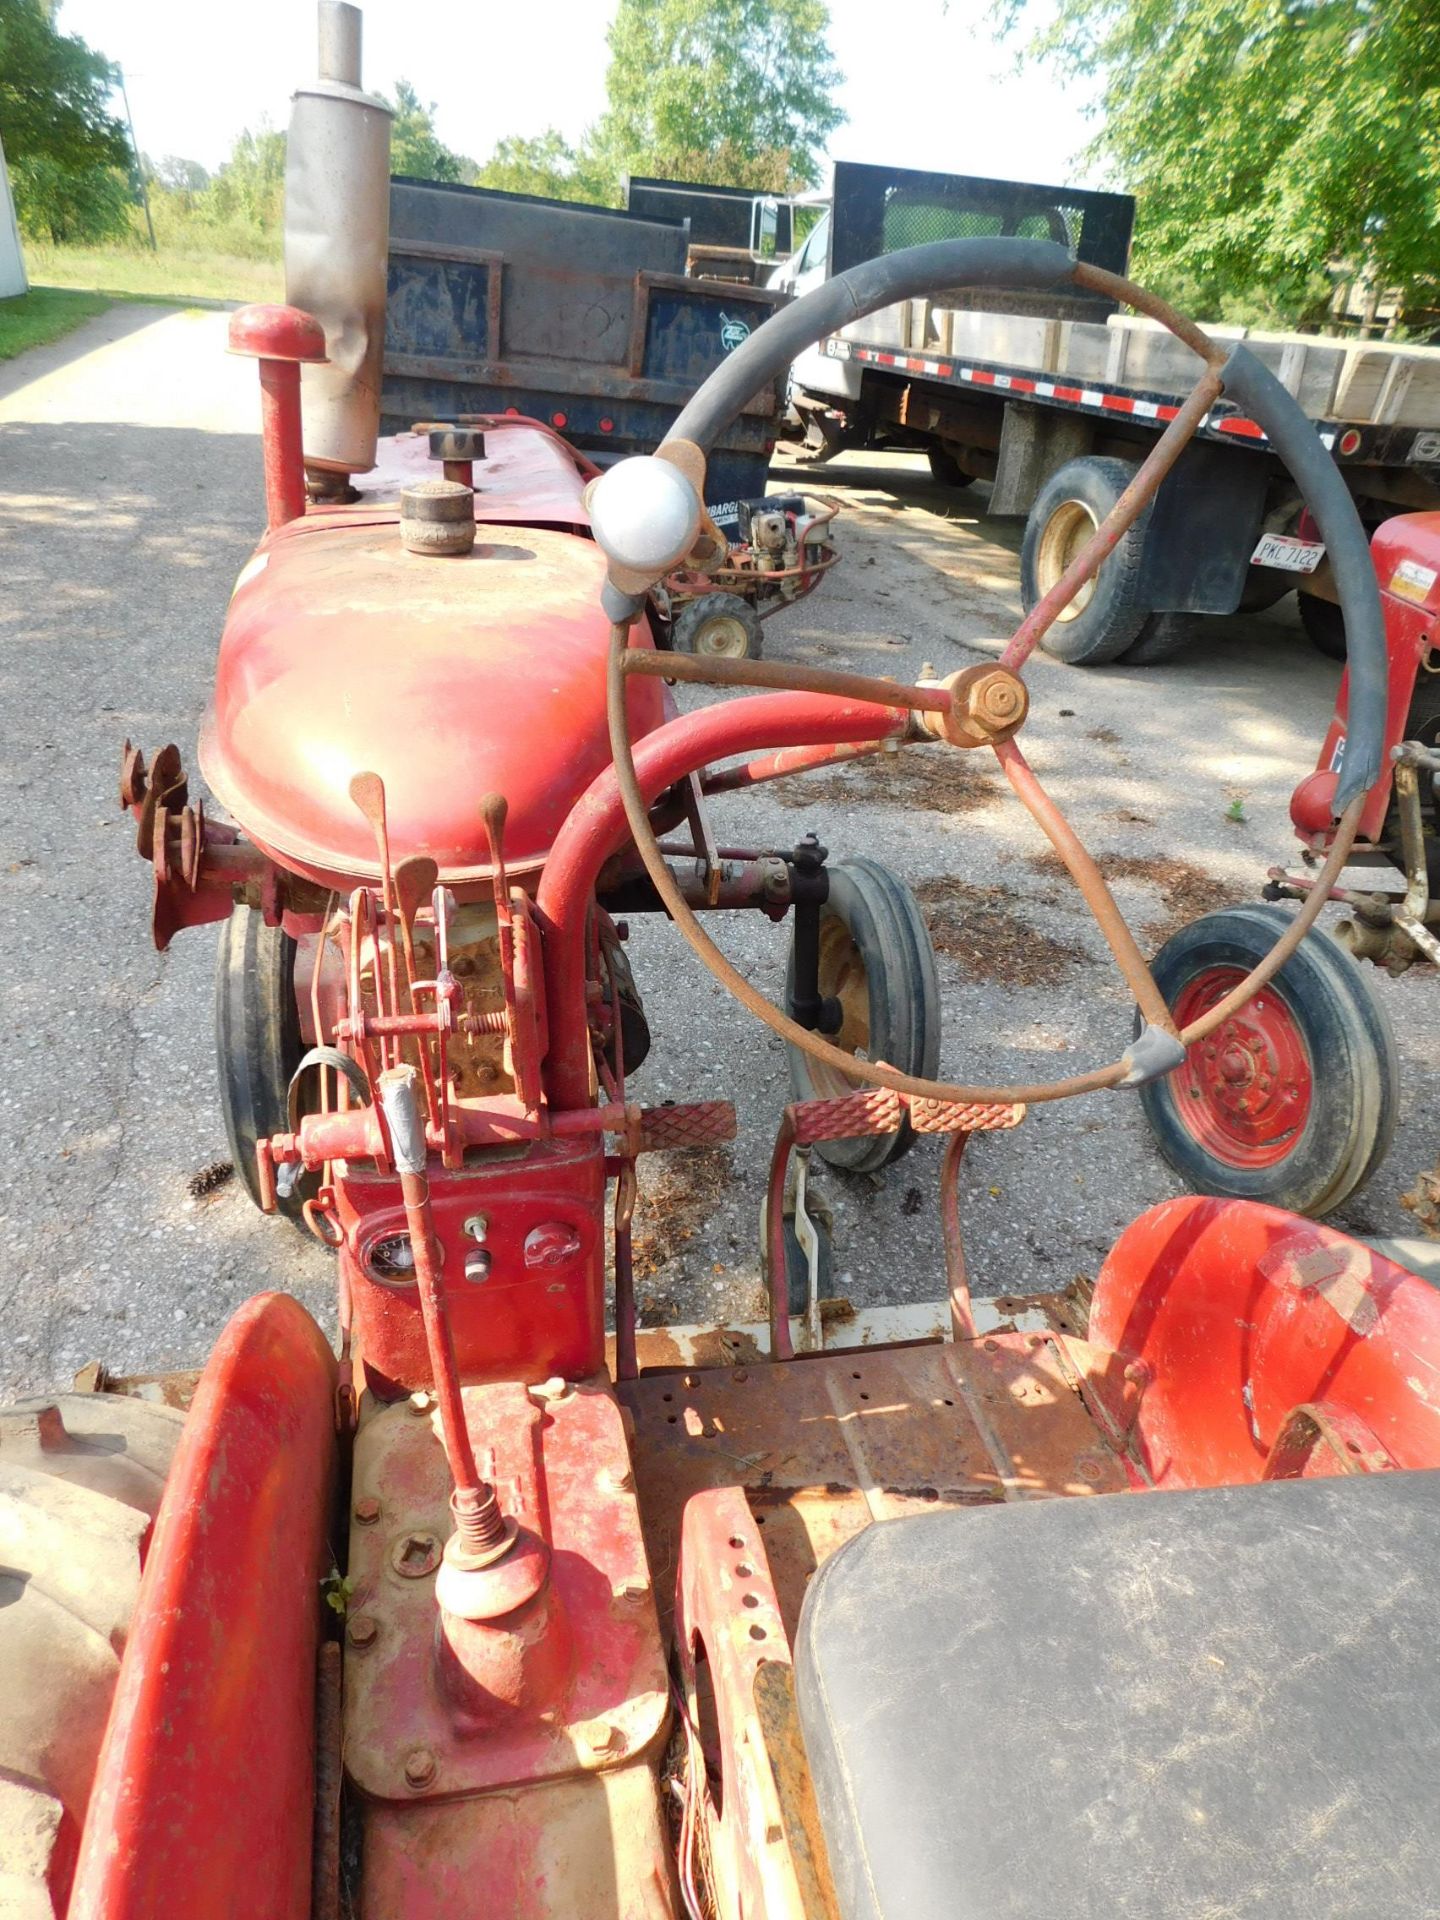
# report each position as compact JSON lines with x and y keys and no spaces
{"x":1244,"y":1092}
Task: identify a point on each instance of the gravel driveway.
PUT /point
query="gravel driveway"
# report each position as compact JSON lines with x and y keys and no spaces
{"x":129,"y":497}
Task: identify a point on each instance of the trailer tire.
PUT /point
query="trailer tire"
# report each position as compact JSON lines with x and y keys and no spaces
{"x":1248,"y":1115}
{"x":1107,"y":614}
{"x":877,"y":959}
{"x":82,"y":1479}
{"x":257,"y":1041}
{"x":1324,"y":625}
{"x":1161,"y":638}
{"x":718,"y":626}
{"x":946,"y":470}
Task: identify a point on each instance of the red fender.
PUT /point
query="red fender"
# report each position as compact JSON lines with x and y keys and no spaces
{"x":1240,"y":1314}
{"x":203,"y":1796}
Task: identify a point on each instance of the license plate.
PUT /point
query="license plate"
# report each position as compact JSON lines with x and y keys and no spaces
{"x":1285,"y":550}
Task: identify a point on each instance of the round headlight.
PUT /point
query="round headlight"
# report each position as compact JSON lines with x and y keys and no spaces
{"x":645,"y":514}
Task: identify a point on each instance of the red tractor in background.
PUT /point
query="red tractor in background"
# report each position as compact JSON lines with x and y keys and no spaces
{"x":1294,"y":1099}
{"x":1117,"y":1606}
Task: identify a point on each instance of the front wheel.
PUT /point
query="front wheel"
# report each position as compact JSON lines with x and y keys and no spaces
{"x":257,"y":1038}
{"x":1294,"y":1099}
{"x":877,"y":961}
{"x":718,"y":626}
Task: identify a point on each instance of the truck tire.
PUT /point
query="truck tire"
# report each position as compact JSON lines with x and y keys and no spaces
{"x":946,"y":469}
{"x":257,"y":1040}
{"x":1107,"y":615}
{"x":1161,"y":638}
{"x":1324,"y":625}
{"x":877,"y":960}
{"x":81,"y":1476}
{"x":1250,"y":1115}
{"x":718,"y":626}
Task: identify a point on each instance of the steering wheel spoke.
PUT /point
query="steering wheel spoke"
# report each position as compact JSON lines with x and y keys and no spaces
{"x":1085,"y":872}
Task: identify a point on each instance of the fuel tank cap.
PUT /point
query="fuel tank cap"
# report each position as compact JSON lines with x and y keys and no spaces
{"x":437,"y":517}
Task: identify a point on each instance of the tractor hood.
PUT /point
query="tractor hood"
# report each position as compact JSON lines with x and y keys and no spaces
{"x":450,"y":678}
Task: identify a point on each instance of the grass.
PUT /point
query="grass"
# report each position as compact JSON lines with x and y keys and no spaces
{"x":45,"y":313}
{"x":169,"y":277}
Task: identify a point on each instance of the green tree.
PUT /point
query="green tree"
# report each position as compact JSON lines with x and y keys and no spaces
{"x":69,"y":156}
{"x":249,"y":188}
{"x":415,"y":147}
{"x":546,"y":164}
{"x":739,"y":92}
{"x":1272,"y":144}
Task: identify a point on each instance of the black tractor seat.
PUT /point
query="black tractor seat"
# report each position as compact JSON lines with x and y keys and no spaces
{"x":1220,"y":1705}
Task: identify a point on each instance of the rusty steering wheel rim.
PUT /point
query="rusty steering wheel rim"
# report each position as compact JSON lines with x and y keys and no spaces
{"x":936,"y":700}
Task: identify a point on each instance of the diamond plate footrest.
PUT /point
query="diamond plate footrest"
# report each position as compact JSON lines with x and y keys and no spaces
{"x":882,"y":1110}
{"x":703,"y":1123}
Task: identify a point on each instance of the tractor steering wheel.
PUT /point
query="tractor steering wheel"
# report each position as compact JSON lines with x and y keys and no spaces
{"x":647,"y":519}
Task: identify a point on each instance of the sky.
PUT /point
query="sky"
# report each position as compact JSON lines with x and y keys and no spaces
{"x":937,"y":93}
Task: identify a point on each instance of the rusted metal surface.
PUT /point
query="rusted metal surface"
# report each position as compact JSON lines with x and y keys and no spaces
{"x":778,"y":766}
{"x":1319,"y":1440}
{"x":579,"y":1848}
{"x":752,"y":1848}
{"x":559,"y":1461}
{"x":826,"y":1444}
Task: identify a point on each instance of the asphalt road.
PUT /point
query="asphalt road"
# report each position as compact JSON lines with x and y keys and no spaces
{"x":129,"y":498}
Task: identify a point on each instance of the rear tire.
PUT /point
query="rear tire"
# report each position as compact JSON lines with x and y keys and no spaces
{"x":82,"y":1478}
{"x":946,"y":469}
{"x":718,"y":626}
{"x":1161,"y":638}
{"x":257,"y":1039}
{"x":876,"y":958}
{"x":1294,"y":1100}
{"x":1107,"y":615}
{"x":1324,"y":625}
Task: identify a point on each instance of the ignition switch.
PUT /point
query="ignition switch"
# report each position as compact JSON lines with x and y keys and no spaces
{"x":477,"y":1257}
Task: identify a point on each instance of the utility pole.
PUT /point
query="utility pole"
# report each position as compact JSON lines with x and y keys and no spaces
{"x":139,"y":163}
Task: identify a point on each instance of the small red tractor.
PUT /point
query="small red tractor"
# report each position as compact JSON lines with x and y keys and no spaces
{"x":1294,"y":1098}
{"x":1120,"y":1606}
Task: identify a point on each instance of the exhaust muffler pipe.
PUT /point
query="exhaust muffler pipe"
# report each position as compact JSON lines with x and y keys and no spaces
{"x":337,"y":232}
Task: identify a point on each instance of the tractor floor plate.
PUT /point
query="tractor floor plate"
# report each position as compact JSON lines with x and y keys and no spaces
{"x":823,"y":1445}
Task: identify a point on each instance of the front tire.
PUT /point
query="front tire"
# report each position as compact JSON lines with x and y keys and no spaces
{"x":257,"y":1039}
{"x":718,"y":626}
{"x":877,"y":960}
{"x":1294,"y":1100}
{"x":1107,"y":614}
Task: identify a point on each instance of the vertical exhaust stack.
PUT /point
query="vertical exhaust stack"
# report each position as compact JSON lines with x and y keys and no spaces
{"x":337,"y":230}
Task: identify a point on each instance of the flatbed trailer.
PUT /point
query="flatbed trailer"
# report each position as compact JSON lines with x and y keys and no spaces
{"x":1054,"y":401}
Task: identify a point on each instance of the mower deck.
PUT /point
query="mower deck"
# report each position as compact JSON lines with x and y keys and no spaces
{"x":834,"y":1441}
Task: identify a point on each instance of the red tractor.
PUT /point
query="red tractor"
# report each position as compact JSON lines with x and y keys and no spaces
{"x":1122,"y":1606}
{"x":1293,"y":1099}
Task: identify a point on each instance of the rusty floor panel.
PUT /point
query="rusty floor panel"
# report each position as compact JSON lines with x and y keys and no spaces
{"x":826,"y":1444}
